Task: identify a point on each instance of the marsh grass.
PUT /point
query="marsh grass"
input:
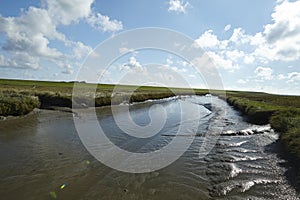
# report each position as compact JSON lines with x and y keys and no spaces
{"x":15,"y":104}
{"x":20,"y":94}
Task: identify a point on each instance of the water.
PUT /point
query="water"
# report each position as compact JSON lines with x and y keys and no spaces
{"x":41,"y":152}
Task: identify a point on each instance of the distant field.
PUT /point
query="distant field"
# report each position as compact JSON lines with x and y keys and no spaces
{"x":67,"y":87}
{"x":59,"y":94}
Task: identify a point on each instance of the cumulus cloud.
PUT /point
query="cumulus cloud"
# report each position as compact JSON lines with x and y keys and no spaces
{"x":178,"y":66}
{"x":249,"y":59}
{"x":65,"y":11}
{"x":284,"y":33}
{"x":169,"y":61}
{"x":286,"y":22}
{"x":293,"y":77}
{"x":178,"y":6}
{"x":27,"y":34}
{"x":207,"y":40}
{"x":20,"y":60}
{"x":239,"y":37}
{"x":104,"y":23}
{"x":80,"y":50}
{"x":279,"y":41}
{"x":265,"y":73}
{"x":281,"y":77}
{"x":235,"y":54}
{"x":221,"y":61}
{"x":133,"y":65}
{"x":227,"y":27}
{"x":178,"y":70}
{"x":28,"y":37}
{"x":123,"y":50}
{"x":67,"y":71}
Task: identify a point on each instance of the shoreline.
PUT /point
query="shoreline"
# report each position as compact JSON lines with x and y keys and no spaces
{"x":71,"y":110}
{"x":20,"y":97}
{"x":279,"y":119}
{"x":245,"y":106}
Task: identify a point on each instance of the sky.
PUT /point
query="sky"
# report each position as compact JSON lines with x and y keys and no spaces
{"x":254,"y":44}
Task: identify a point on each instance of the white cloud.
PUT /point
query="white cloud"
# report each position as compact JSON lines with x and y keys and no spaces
{"x":178,"y":70}
{"x":265,"y":73}
{"x":227,"y":27}
{"x":67,"y":71}
{"x":207,"y":40}
{"x":104,"y":23}
{"x":178,"y":65}
{"x":20,"y":60}
{"x":249,"y":59}
{"x":293,"y":77}
{"x":281,"y":77}
{"x":183,"y":63}
{"x":27,"y":34}
{"x":284,"y":33}
{"x":169,"y":61}
{"x":239,"y":37}
{"x":222,"y":62}
{"x":123,"y":50}
{"x":133,"y":65}
{"x":235,"y":55}
{"x":80,"y":50}
{"x":28,"y":37}
{"x":65,"y":11}
{"x":178,"y":6}
{"x":279,"y":41}
{"x":286,"y":22}
{"x":257,"y":40}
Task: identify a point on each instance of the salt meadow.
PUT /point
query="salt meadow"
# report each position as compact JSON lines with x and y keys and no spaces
{"x":282,"y":112}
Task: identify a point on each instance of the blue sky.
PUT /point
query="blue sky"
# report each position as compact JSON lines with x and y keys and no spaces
{"x":254,"y":44}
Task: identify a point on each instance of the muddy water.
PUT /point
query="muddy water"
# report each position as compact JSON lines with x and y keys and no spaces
{"x":42,"y":157}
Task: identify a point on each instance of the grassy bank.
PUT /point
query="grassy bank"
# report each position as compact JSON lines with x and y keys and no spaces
{"x":18,"y":97}
{"x":12,"y":103}
{"x":282,"y":112}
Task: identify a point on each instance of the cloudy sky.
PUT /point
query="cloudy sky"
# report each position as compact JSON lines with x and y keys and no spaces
{"x":254,"y":44}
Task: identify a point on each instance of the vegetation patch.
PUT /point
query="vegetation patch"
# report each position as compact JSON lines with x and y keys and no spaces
{"x":47,"y":95}
{"x":16,"y":104}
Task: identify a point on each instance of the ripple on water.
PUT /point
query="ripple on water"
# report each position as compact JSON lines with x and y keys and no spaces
{"x":240,"y":150}
{"x":235,"y":171}
{"x":249,"y":184}
{"x":226,"y":188}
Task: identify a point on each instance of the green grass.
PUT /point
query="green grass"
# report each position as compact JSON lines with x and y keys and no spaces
{"x":256,"y":111}
{"x":59,"y":94}
{"x":15,"y":104}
